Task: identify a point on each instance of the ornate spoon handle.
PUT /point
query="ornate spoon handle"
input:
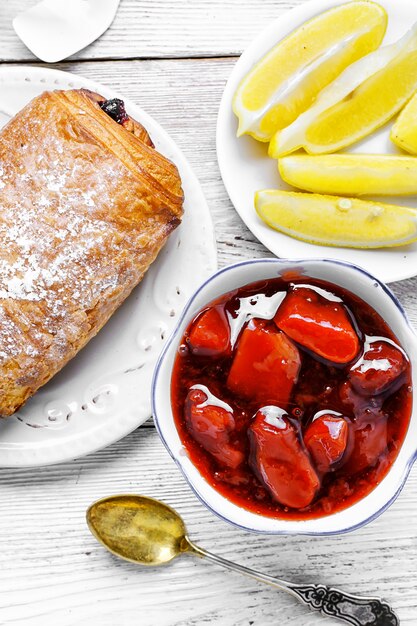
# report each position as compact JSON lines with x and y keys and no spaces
{"x":356,"y":610}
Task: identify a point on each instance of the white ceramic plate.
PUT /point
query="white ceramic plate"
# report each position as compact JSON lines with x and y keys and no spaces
{"x":246,"y":168}
{"x":104,"y":393}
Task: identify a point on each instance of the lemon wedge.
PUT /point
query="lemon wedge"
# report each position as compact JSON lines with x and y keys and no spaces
{"x":351,"y":174}
{"x":404,"y":131}
{"x":365,"y":96}
{"x":336,"y":221}
{"x":288,"y":78}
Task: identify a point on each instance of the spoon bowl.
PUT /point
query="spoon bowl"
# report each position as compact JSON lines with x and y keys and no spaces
{"x":138,"y":529}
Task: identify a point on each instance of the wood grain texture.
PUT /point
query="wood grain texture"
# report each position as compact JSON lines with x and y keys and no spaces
{"x":52,"y":570}
{"x":184,"y":96}
{"x":162,"y":28}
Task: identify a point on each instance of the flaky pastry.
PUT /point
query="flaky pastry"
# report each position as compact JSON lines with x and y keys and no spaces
{"x":86,"y":203}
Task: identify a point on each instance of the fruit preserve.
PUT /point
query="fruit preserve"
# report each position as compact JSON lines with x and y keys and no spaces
{"x":291,"y":397}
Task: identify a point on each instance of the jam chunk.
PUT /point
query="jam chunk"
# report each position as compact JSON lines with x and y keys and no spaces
{"x":211,"y":423}
{"x":379,"y":369}
{"x":210,"y":333}
{"x":279,"y":459}
{"x":321,"y":325}
{"x":326,"y":439}
{"x":370,"y":442}
{"x":265,"y":366}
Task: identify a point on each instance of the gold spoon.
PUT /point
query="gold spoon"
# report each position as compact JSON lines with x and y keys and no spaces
{"x":149,"y":532}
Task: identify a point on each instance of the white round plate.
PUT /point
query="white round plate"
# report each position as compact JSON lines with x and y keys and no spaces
{"x":104,"y":392}
{"x":246,"y":168}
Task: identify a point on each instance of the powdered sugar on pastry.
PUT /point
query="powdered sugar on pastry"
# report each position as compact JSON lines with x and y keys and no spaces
{"x":78,"y":228}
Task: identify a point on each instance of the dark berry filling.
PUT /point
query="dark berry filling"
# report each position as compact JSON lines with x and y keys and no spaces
{"x":115,"y":108}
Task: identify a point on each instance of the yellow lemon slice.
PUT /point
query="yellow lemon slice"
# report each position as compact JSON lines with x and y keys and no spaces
{"x":404,"y":131}
{"x":351,"y":174}
{"x":288,"y":78}
{"x":365,"y":96}
{"x":335,"y":221}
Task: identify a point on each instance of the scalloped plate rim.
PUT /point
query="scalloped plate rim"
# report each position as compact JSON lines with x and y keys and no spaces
{"x":67,"y":448}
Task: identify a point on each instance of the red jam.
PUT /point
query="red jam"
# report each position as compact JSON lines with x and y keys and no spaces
{"x":292,"y":398}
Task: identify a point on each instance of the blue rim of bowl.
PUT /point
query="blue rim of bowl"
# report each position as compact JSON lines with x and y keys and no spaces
{"x":170,"y":340}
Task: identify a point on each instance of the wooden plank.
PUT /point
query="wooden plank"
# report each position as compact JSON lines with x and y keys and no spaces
{"x":167,"y":28}
{"x":53,"y":572}
{"x":184,"y":96}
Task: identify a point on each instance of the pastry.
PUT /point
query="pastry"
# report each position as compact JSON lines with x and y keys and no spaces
{"x":86,"y":203}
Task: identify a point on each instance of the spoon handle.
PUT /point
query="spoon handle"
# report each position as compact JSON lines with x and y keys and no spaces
{"x":351,"y":609}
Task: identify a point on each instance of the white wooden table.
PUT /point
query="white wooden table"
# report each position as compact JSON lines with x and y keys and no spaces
{"x":173,"y":58}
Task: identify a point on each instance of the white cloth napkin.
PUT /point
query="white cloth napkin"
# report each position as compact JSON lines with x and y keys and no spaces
{"x":55,"y":29}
